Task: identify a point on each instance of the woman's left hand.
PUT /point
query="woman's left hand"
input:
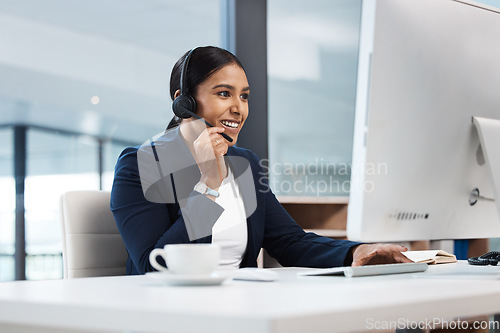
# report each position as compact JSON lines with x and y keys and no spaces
{"x":373,"y":254}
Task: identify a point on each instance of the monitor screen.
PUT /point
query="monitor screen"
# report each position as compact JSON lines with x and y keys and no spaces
{"x":426,"y":67}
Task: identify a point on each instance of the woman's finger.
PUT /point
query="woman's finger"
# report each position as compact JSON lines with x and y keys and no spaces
{"x":219,"y":144}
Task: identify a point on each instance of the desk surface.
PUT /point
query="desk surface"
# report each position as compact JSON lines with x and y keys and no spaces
{"x":292,"y":304}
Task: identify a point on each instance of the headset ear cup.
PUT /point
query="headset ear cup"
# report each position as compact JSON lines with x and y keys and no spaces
{"x":184,"y":106}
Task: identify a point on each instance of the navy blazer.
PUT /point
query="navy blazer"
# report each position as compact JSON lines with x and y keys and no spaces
{"x":145,"y":225}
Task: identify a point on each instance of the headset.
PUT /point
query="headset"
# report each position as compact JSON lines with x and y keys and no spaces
{"x":184,"y":106}
{"x":490,"y":258}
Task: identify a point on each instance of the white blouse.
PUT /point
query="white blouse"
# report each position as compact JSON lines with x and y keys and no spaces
{"x":230,"y":230}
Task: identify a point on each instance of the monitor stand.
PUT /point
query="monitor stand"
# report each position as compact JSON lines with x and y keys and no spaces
{"x":489,"y":136}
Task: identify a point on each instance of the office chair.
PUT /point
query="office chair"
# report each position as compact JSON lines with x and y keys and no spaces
{"x":92,"y":245}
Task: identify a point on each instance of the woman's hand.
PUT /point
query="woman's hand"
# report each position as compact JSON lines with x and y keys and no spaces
{"x":373,"y":254}
{"x":210,"y":148}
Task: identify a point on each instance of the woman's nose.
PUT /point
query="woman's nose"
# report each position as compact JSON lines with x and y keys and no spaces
{"x":237,"y":106}
{"x":235,"y":110}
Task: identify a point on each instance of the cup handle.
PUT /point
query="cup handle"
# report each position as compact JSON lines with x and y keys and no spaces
{"x":152,"y":259}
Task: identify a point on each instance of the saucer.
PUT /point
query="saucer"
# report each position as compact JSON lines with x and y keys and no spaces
{"x":213,"y":279}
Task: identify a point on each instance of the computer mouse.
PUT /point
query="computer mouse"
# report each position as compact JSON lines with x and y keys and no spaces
{"x":255,"y":274}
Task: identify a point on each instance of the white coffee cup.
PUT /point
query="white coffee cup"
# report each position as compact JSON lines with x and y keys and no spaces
{"x":192,"y":259}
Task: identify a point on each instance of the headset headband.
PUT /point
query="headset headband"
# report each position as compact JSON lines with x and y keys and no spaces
{"x":185,"y":65}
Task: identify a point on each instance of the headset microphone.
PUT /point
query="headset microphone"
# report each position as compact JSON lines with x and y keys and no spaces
{"x":184,"y":105}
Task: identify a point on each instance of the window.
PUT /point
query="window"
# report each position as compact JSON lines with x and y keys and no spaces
{"x":56,"y":163}
{"x":107,"y":78}
{"x":312,"y":64}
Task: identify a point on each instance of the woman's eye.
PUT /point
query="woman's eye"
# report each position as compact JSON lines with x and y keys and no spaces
{"x":224,"y":93}
{"x":244,"y":96}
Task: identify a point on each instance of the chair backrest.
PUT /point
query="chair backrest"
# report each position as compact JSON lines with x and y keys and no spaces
{"x":92,"y":245}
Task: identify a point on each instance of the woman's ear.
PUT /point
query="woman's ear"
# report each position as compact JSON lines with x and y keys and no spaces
{"x":177,"y":93}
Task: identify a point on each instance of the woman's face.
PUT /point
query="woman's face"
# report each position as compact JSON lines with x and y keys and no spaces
{"x":222,"y":100}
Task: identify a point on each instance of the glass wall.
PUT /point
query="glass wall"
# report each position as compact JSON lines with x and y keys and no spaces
{"x":56,"y":163}
{"x":312,"y":63}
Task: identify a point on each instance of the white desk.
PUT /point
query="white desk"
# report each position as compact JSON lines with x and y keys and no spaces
{"x":304,"y":304}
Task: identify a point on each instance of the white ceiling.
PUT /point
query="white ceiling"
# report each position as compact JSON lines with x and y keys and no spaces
{"x":57,"y":54}
{"x":153,"y":24}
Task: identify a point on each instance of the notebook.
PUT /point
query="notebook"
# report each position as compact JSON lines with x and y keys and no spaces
{"x":431,"y":256}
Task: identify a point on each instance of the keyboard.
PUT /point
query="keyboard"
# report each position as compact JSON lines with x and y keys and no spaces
{"x":368,"y":270}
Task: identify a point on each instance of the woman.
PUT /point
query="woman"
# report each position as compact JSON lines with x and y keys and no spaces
{"x":206,"y":190}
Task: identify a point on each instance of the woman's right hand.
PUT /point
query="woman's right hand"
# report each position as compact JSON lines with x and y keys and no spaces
{"x":210,"y":148}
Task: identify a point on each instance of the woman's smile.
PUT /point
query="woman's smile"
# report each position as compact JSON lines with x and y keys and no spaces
{"x":231,"y":126}
{"x":222,"y":99}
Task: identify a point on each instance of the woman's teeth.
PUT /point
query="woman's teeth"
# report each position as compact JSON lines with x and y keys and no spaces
{"x":229,"y":124}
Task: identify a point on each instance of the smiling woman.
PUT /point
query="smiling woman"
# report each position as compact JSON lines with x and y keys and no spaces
{"x":193,"y":69}
{"x":222,"y":99}
{"x":192,"y":185}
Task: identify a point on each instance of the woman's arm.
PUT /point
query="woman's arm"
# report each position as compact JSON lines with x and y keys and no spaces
{"x":288,"y":243}
{"x":146,"y":225}
{"x":283,"y":238}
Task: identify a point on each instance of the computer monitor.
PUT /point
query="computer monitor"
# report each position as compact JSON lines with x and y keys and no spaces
{"x":426,"y":67}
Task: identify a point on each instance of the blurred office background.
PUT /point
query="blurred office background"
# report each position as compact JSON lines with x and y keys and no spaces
{"x":80,"y":80}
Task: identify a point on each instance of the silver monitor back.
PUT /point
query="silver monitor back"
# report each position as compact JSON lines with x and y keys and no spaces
{"x":425,"y":68}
